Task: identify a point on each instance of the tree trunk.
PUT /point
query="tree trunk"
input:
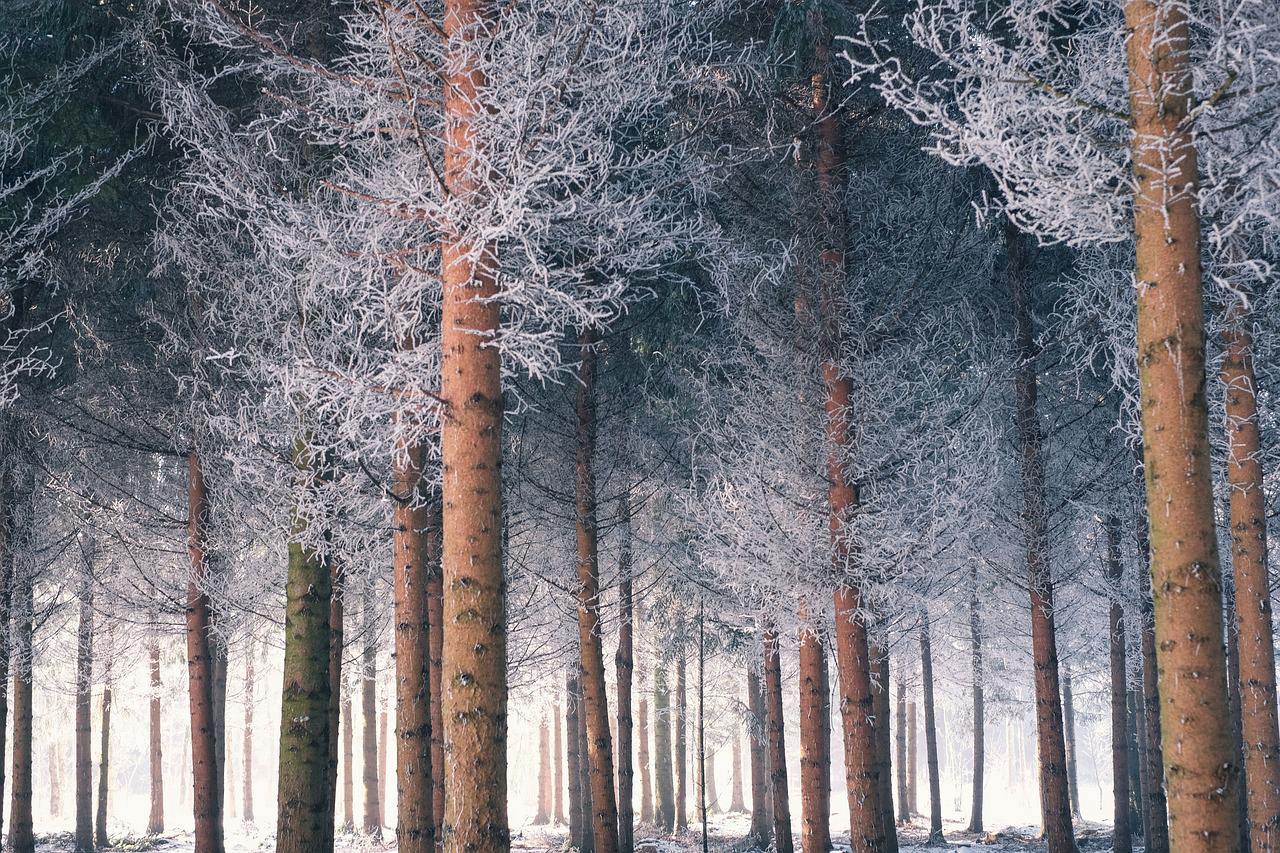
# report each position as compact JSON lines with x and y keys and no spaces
{"x":55,"y":781}
{"x":884,"y":743}
{"x":777,"y":745}
{"x":339,"y":708}
{"x":584,"y":777}
{"x":369,"y":717}
{"x":84,"y":713}
{"x":435,"y":645}
{"x":559,"y":766}
{"x":414,"y":542}
{"x":737,"y":805}
{"x":1233,"y":702}
{"x":348,"y":774}
{"x":979,"y":709}
{"x":1055,"y":802}
{"x":305,"y":800}
{"x":599,"y":757}
{"x":702,"y":726}
{"x":1157,"y":817}
{"x":474,"y":648}
{"x":572,"y":709}
{"x":246,"y":763}
{"x":206,"y":795}
{"x":913,"y":765}
{"x":682,"y":746}
{"x":155,"y":820}
{"x":758,"y":738}
{"x":1135,"y":779}
{"x":930,"y":733}
{"x":1254,"y":635}
{"x":544,"y":774}
{"x":1069,"y":739}
{"x":21,"y":829}
{"x":643,"y":758}
{"x":1201,"y":776}
{"x":904,"y":798}
{"x":218,"y":654}
{"x":665,"y":816}
{"x":383,"y":795}
{"x":815,"y":745}
{"x":1123,"y":842}
{"x":104,"y":766}
{"x":624,"y":663}
{"x":6,"y":649}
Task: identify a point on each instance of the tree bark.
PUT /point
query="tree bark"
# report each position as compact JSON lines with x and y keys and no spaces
{"x":1201,"y":775}
{"x":206,"y":795}
{"x":348,"y":757}
{"x":1260,"y":729}
{"x":104,"y":766}
{"x":1157,"y":818}
{"x":6,"y":646}
{"x":884,"y":742}
{"x":757,"y":744}
{"x":572,"y":724}
{"x":414,"y":543}
{"x":1123,"y":841}
{"x":1233,"y":702}
{"x":682,"y":746}
{"x":913,"y":765}
{"x":815,"y":745}
{"x":474,"y":649}
{"x":559,"y":765}
{"x":624,"y":664}
{"x":930,"y":733}
{"x":304,"y":821}
{"x":21,"y":829}
{"x":904,"y":798}
{"x":369,"y":717}
{"x":737,"y":805}
{"x":584,"y":778}
{"x":1055,"y":802}
{"x":979,"y":709}
{"x":155,"y":819}
{"x":246,"y":763}
{"x":339,"y":707}
{"x":665,"y":816}
{"x":435,"y":645}
{"x":1135,"y":780}
{"x":543,"y":815}
{"x":1069,"y":739}
{"x":218,"y":654}
{"x":84,"y":712}
{"x":777,"y":745}
{"x":643,"y":758}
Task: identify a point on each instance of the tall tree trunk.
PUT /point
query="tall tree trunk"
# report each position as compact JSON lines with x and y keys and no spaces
{"x":21,"y":829}
{"x":544,"y":774}
{"x":369,"y":717}
{"x":246,"y":763}
{"x":904,"y":799}
{"x":206,"y":795}
{"x":1233,"y":701}
{"x":1157,"y":819}
{"x":1201,"y":776}
{"x":884,"y":741}
{"x":155,"y":819}
{"x":1123,"y":842}
{"x":624,"y":664}
{"x":435,"y":645}
{"x":1135,"y":779}
{"x":737,"y":805}
{"x":913,"y":764}
{"x":702,"y":726}
{"x":558,"y":751}
{"x":84,"y":712}
{"x":681,"y":735}
{"x":1055,"y":802}
{"x":758,"y":739}
{"x":584,"y":777}
{"x":55,"y":780}
{"x":339,"y":707}
{"x":104,"y":765}
{"x":572,"y":724}
{"x":6,"y":649}
{"x":599,"y":758}
{"x":979,"y":708}
{"x":665,"y":816}
{"x":930,"y":732}
{"x":348,"y":772}
{"x":414,"y":543}
{"x":305,"y":789}
{"x":218,"y":654}
{"x":815,"y":745}
{"x":777,"y":745}
{"x":643,"y":758}
{"x":1069,"y":739}
{"x":1248,"y":518}
{"x":474,"y":650}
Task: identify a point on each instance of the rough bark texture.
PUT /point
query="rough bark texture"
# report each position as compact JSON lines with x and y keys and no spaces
{"x":104,"y":768}
{"x":884,"y":742}
{"x":1201,"y":775}
{"x":624,"y":664}
{"x":643,"y":758}
{"x":474,"y":680}
{"x":777,"y":745}
{"x":1157,"y":817}
{"x":930,"y":732}
{"x":369,"y":717}
{"x":435,"y":644}
{"x":84,"y":717}
{"x":588,"y":840}
{"x":414,"y":545}
{"x":1135,"y":780}
{"x":815,"y":746}
{"x":155,"y":819}
{"x":21,"y":829}
{"x":1069,"y":740}
{"x":1260,"y":729}
{"x":304,"y":820}
{"x":6,"y":649}
{"x":572,"y":724}
{"x":246,"y":763}
{"x":1122,"y":838}
{"x":681,"y":737}
{"x":757,"y":745}
{"x":206,"y":795}
{"x":1055,"y":802}
{"x":665,"y":813}
{"x":979,"y":710}
{"x":853,"y":661}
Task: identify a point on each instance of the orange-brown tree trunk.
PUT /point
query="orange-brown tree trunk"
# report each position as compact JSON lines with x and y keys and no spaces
{"x":155,"y":819}
{"x":21,"y":828}
{"x":624,"y":664}
{"x":777,"y":745}
{"x":1122,"y":838}
{"x":435,"y":645}
{"x":206,"y":796}
{"x":815,"y":746}
{"x":1260,"y":729}
{"x":1201,"y":775}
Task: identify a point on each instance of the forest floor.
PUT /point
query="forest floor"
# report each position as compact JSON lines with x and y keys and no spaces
{"x":725,"y":836}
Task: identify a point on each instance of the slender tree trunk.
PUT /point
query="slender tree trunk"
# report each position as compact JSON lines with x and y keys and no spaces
{"x":737,"y":805}
{"x":155,"y":820}
{"x":1123,"y":842}
{"x":415,"y":543}
{"x":1135,"y":779}
{"x":382,"y":757}
{"x":643,"y":758}
{"x":1055,"y":802}
{"x":339,"y":707}
{"x":1255,"y":633}
{"x":777,"y":745}
{"x":218,"y":654}
{"x":1157,"y":820}
{"x":584,"y":777}
{"x":206,"y":795}
{"x":6,"y":649}
{"x":369,"y":716}
{"x":55,"y":780}
{"x":979,"y":710}
{"x":624,"y":663}
{"x":246,"y":763}
{"x":904,"y":799}
{"x":913,"y":765}
{"x":599,"y":757}
{"x":575,"y":757}
{"x":930,"y":733}
{"x":435,"y":644}
{"x":702,"y":726}
{"x":348,"y":772}
{"x":304,"y":821}
{"x":84,"y":714}
{"x":1201,"y":777}
{"x":682,"y":745}
{"x":665,"y":816}
{"x":474,"y":649}
{"x":104,"y":765}
{"x":544,"y":774}
{"x":1233,"y":701}
{"x":1069,"y":738}
{"x":757,"y":744}
{"x":21,"y":829}
{"x":558,"y":751}
{"x":815,"y":745}
{"x":884,"y":742}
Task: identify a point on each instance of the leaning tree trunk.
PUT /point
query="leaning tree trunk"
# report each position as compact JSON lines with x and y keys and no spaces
{"x":414,"y":544}
{"x":1055,"y":801}
{"x":665,"y":815}
{"x":758,"y":738}
{"x":21,"y":829}
{"x":1201,"y":777}
{"x":979,"y":708}
{"x":104,"y":765}
{"x":475,"y":651}
{"x":682,"y":745}
{"x":930,"y":732}
{"x":246,"y":763}
{"x":572,"y":724}
{"x":815,"y":745}
{"x":369,"y":717}
{"x":624,"y":664}
{"x":1157,"y":817}
{"x":884,"y":742}
{"x":155,"y":820}
{"x":304,"y":821}
{"x":777,"y":745}
{"x":558,"y":751}
{"x":1255,"y":638}
{"x":435,"y":646}
{"x":599,"y":758}
{"x":1069,"y":740}
{"x":84,"y":717}
{"x":1123,"y":842}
